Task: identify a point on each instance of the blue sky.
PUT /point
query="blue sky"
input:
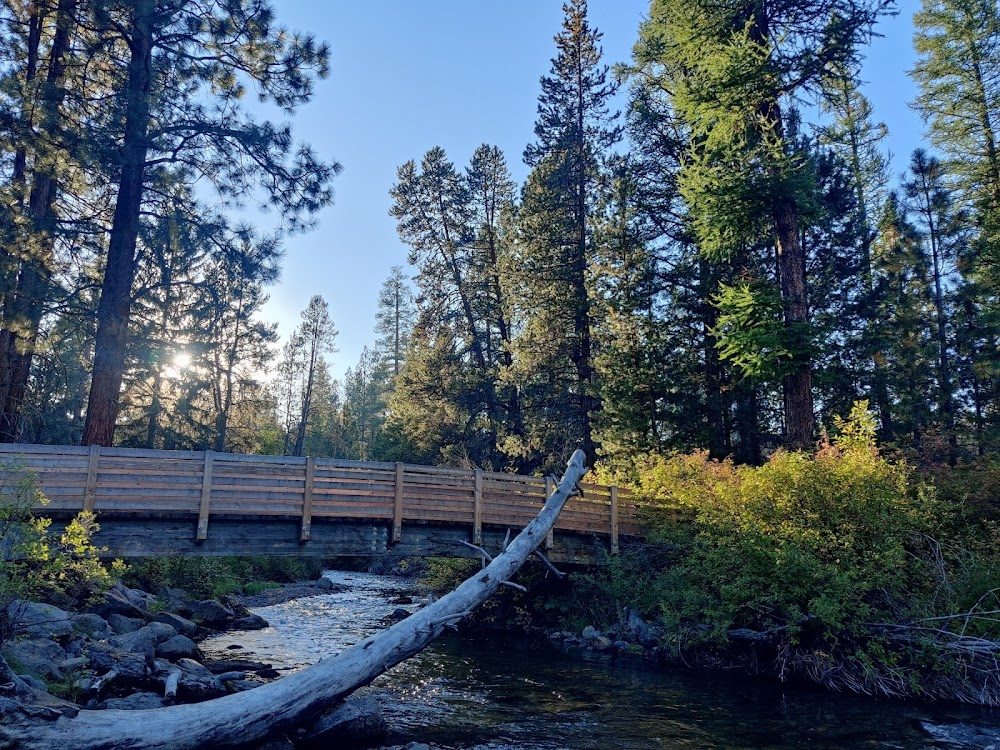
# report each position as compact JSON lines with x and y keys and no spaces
{"x":407,"y":76}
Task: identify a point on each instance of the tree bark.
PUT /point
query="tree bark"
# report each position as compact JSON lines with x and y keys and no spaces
{"x":252,"y":716}
{"x":116,"y":291}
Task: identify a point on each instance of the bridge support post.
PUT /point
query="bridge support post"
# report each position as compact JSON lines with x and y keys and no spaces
{"x":477,"y":510}
{"x":206,"y":498}
{"x":614,"y":520}
{"x":397,"y":506}
{"x":307,"y":499}
{"x":90,"y":491}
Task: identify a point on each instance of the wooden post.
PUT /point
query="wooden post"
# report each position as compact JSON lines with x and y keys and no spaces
{"x":307,"y":499}
{"x":614,"y":520}
{"x":550,"y":487}
{"x":397,"y":507}
{"x":477,"y":510}
{"x":206,"y":498}
{"x":91,"y":489}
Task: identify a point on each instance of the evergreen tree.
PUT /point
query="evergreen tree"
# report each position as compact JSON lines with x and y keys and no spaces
{"x":315,"y":338}
{"x":187,"y":67}
{"x":730,"y":66}
{"x":394,"y":321}
{"x":555,"y":250}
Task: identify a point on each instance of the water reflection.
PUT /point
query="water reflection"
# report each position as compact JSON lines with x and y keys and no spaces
{"x":505,"y":693}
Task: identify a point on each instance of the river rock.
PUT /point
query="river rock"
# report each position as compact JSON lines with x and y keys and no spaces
{"x":210,"y":613}
{"x":37,"y":656}
{"x":145,"y":639}
{"x":39,"y":620}
{"x":249,"y":622}
{"x":103,"y":657}
{"x":964,"y":735}
{"x":600,"y":643}
{"x":34,"y":682}
{"x":178,"y":647}
{"x":193,"y":668}
{"x":136,"y":597}
{"x":117,"y":602}
{"x":638,"y":630}
{"x":181,"y":624}
{"x":121,"y":624}
{"x":356,"y":721}
{"x":133,"y":702}
{"x":92,"y":625}
{"x":590,"y":633}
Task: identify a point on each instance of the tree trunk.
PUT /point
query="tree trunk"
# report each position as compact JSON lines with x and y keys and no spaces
{"x":116,"y":291}
{"x":252,"y":716}
{"x":799,"y":417}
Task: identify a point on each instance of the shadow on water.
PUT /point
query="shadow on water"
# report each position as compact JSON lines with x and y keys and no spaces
{"x":501,"y":692}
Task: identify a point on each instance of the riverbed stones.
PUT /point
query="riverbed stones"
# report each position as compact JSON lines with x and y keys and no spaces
{"x":134,"y":702}
{"x":91,"y":625}
{"x":121,"y":624}
{"x":178,"y":647}
{"x":37,"y":656}
{"x":210,"y":613}
{"x":145,"y":639}
{"x":39,"y":620}
{"x":358,"y":720}
{"x":249,"y":622}
{"x":181,"y":624}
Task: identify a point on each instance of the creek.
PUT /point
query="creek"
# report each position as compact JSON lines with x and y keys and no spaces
{"x":501,"y":692}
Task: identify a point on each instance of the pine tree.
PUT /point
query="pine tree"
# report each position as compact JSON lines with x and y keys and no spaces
{"x":730,"y":66}
{"x":187,"y":65}
{"x":574,"y":131}
{"x":315,"y":337}
{"x":394,"y":322}
{"x":958,"y":52}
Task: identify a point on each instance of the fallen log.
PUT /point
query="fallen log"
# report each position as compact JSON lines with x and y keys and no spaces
{"x":252,"y":716}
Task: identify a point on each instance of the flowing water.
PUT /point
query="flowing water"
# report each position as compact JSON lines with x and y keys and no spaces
{"x":493,"y":692}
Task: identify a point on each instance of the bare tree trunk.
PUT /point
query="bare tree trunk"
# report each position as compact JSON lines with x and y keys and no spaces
{"x":116,"y":291}
{"x":240,"y":719}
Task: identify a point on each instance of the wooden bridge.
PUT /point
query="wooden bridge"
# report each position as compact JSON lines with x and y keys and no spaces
{"x":154,"y":502}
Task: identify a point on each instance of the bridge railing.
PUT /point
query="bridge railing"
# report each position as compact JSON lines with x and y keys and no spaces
{"x":205,"y":484}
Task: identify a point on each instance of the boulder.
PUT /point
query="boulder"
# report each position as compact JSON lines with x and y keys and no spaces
{"x":356,"y":721}
{"x":37,"y":656}
{"x":120,"y":624}
{"x":210,"y":613}
{"x":39,"y":620}
{"x":103,"y":657}
{"x":133,"y":702}
{"x":92,"y":625}
{"x":181,"y":624}
{"x":193,"y":668}
{"x":136,"y":597}
{"x":638,"y":630}
{"x":145,"y":639}
{"x":178,"y":647}
{"x":963,"y":735}
{"x":249,"y":622}
{"x":590,"y":633}
{"x":600,"y":643}
{"x":34,"y":682}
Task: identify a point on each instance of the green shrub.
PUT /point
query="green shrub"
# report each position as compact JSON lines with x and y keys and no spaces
{"x":212,"y":577}
{"x":66,"y":570}
{"x":823,"y":539}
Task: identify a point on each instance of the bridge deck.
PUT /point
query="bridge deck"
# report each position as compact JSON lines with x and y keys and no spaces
{"x":206,"y":503}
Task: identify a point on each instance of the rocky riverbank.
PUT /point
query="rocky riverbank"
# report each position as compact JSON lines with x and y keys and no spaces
{"x":134,"y":650}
